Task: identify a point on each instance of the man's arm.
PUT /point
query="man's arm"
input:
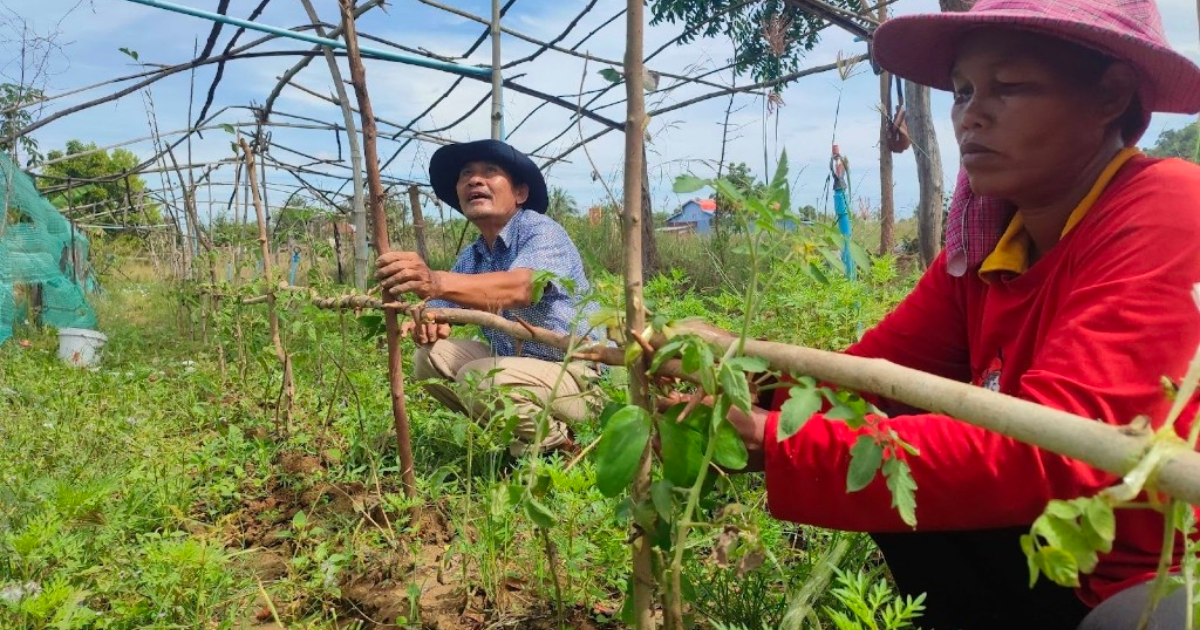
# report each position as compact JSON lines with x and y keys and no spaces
{"x":406,"y":272}
{"x":492,"y":291}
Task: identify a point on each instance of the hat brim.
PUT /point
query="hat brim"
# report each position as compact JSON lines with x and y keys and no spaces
{"x":923,"y":48}
{"x":447,"y":162}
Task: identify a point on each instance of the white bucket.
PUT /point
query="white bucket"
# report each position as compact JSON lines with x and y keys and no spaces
{"x":79,"y":346}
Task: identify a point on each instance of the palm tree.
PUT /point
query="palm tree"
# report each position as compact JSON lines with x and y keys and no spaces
{"x":561,"y":204}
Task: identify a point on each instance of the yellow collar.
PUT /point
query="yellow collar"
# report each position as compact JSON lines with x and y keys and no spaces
{"x":1012,"y":251}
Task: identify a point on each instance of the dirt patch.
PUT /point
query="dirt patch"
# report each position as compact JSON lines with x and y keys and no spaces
{"x":299,"y":463}
{"x":261,"y":520}
{"x":414,"y":581}
{"x":267,"y":565}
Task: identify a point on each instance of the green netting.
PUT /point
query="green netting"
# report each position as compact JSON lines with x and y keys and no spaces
{"x":44,"y":273}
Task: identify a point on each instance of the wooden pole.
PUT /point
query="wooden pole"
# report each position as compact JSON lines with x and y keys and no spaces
{"x":887,"y":202}
{"x":289,"y":386}
{"x":418,"y":215}
{"x":635,"y":315}
{"x":497,"y":76}
{"x":929,"y":171}
{"x":358,"y":212}
{"x":358,"y":77}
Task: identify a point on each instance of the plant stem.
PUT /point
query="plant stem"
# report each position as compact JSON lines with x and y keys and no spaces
{"x":801,"y":606}
{"x":1159,"y":588}
{"x":682,"y":526}
{"x":1187,"y":390}
{"x":552,"y":558}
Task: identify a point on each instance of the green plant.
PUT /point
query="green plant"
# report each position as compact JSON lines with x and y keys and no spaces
{"x":868,"y":604}
{"x":695,"y":435}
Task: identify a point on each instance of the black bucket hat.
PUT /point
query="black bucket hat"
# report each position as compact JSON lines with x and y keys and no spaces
{"x":448,"y":161}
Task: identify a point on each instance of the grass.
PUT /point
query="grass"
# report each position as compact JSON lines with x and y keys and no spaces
{"x":165,"y":489}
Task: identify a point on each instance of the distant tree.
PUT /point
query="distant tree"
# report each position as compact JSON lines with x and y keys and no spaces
{"x":728,"y":210}
{"x":1177,"y":143}
{"x":561,"y":205}
{"x":298,"y":218}
{"x":15,"y":116}
{"x":226,"y":231}
{"x":101,"y":202}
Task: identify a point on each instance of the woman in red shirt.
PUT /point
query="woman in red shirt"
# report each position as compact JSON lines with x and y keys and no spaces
{"x":1067,"y":280}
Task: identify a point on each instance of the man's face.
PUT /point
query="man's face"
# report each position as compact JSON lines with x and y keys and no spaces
{"x":486,"y":191}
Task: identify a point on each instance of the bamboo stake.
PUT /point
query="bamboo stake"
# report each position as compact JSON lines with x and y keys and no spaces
{"x":887,"y":201}
{"x":418,"y":215}
{"x":358,"y":77}
{"x":635,"y":314}
{"x":289,"y":386}
{"x":359,"y":211}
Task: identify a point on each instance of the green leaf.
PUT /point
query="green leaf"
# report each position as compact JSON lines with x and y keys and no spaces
{"x":866,"y":456}
{"x":733,"y":383}
{"x":685,"y":184}
{"x":504,"y":497}
{"x":730,"y":191}
{"x":682,"y":445}
{"x":611,"y":74}
{"x":299,"y":520}
{"x":1059,"y":525}
{"x":748,"y":364}
{"x":131,"y":53}
{"x":621,"y":446}
{"x":779,"y":181}
{"x":1027,"y":544}
{"x":801,"y":404}
{"x":608,"y":412}
{"x":543,"y":483}
{"x":667,"y":351}
{"x":373,"y":325}
{"x":859,"y":256}
{"x":730,"y":452}
{"x":1100,"y":523}
{"x":903,"y":488}
{"x":541,"y":280}
{"x":662,"y":493}
{"x":697,"y":355}
{"x":538,"y":513}
{"x":1058,"y":565}
{"x":853,"y":413}
{"x":229,"y":128}
{"x":818,"y":274}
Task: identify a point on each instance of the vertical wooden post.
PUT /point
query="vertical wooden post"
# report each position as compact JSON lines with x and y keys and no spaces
{"x":359,"y":212}
{"x":289,"y":386}
{"x":635,"y":315}
{"x":497,"y":76}
{"x":418,"y":215}
{"x":887,"y":202}
{"x":929,"y":172}
{"x":358,"y":77}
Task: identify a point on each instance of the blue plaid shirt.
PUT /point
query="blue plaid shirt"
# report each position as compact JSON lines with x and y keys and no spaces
{"x":533,"y":241}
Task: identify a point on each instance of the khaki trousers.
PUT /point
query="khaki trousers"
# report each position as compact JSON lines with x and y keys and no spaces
{"x":530,"y":384}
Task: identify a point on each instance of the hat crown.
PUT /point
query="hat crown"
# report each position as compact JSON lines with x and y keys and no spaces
{"x":1138,"y":19}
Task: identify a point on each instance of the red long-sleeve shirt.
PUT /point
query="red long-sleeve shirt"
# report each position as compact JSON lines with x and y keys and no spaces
{"x":1090,"y":329}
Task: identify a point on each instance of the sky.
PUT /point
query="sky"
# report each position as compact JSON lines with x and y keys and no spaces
{"x":817,"y":111}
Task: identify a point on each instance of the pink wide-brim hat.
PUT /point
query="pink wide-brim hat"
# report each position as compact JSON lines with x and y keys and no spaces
{"x":922,"y":48}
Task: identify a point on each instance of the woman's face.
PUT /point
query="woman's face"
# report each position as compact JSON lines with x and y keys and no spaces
{"x":1029,"y":114}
